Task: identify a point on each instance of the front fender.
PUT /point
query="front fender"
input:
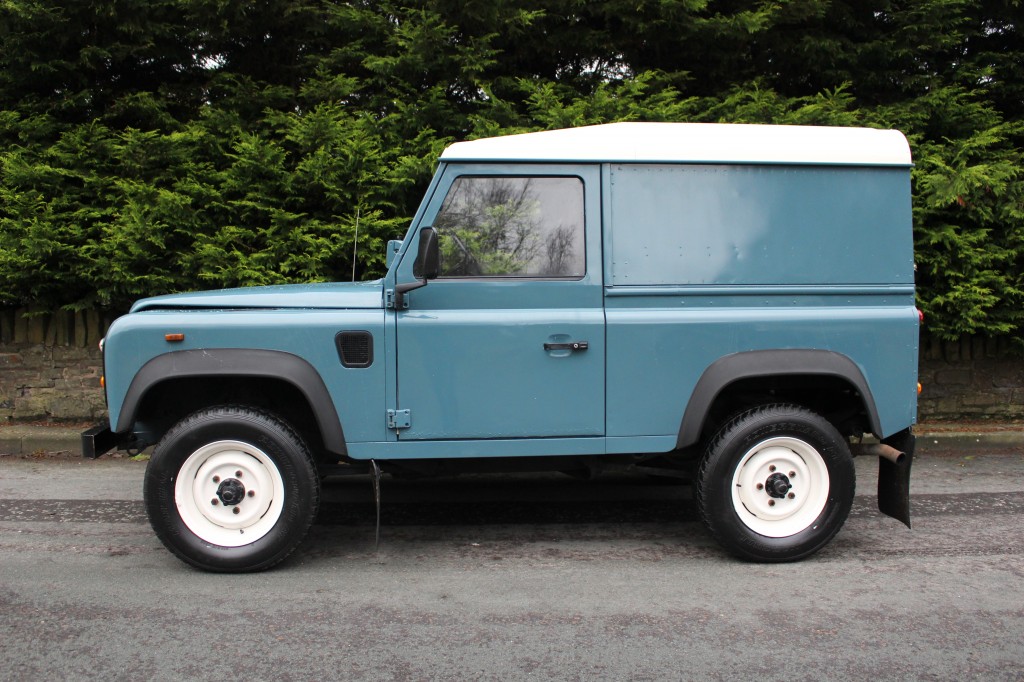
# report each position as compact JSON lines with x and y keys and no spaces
{"x":237,"y":362}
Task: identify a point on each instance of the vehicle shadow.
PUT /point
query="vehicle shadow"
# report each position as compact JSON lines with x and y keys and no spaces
{"x":491,"y":499}
{"x":506,"y":517}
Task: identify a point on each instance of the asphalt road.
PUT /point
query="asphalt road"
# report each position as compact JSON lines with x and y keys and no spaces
{"x":514,"y":578}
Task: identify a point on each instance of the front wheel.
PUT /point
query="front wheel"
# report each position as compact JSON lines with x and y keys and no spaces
{"x":231,"y":489}
{"x":776,"y":483}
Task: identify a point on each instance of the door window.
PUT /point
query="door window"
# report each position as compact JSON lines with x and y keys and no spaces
{"x":512,"y":227}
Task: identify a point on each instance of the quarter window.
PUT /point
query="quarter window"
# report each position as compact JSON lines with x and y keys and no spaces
{"x":512,"y":227}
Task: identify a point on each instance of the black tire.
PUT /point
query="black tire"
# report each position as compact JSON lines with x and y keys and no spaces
{"x":275,"y":499}
{"x":746,"y":504}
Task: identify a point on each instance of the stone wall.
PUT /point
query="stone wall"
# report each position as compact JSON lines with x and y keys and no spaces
{"x":970,"y":379}
{"x":50,"y":369}
{"x":50,"y":366}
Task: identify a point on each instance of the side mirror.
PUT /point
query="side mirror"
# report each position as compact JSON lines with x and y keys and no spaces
{"x":428,"y":257}
{"x":427,"y":265}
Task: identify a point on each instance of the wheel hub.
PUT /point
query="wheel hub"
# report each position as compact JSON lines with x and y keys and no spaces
{"x":777,"y":485}
{"x":231,"y":492}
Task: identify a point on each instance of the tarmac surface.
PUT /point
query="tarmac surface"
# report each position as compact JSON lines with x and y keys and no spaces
{"x":517,"y":578}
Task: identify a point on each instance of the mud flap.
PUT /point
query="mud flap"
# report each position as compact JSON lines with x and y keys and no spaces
{"x":894,"y":479}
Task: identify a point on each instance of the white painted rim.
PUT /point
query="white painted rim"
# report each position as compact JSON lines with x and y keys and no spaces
{"x":198,"y":483}
{"x":806,"y":472}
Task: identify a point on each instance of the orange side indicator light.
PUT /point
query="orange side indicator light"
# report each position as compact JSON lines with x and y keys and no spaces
{"x":919,"y":388}
{"x":103,"y":382}
{"x":174,"y":338}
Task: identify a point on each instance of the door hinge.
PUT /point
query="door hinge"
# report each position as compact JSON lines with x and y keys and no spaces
{"x":399,"y":419}
{"x":395,"y":301}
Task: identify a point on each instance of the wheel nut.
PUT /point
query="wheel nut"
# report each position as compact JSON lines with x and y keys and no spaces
{"x":791,"y":496}
{"x":216,"y":479}
{"x":771,"y":468}
{"x":214,"y":502}
{"x":251,"y":493}
{"x":760,"y":486}
{"x":235,"y":510}
{"x":238,"y":474}
{"x":771,"y":503}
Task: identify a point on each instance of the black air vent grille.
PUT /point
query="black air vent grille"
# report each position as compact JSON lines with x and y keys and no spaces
{"x":355,"y":348}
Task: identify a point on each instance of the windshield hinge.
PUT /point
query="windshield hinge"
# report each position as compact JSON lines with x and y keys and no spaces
{"x":399,"y":419}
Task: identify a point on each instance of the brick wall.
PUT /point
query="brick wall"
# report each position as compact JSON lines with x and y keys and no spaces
{"x":50,"y":368}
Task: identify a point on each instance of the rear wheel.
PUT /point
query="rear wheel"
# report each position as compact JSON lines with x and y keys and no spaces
{"x":776,"y":483}
{"x":231,"y":489}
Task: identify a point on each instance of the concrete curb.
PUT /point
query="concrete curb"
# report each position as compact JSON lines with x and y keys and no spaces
{"x":970,"y":440}
{"x":27,"y":440}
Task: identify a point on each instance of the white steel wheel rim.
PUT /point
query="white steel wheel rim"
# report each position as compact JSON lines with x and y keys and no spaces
{"x":764,"y":471}
{"x":226,"y":471}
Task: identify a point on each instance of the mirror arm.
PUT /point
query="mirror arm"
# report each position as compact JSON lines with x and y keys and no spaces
{"x":405,"y":287}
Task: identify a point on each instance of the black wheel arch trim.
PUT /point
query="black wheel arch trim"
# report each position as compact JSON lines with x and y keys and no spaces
{"x":238,"y":362}
{"x":768,"y":363}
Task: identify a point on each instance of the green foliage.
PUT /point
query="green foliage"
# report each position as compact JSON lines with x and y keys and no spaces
{"x":969,"y":217}
{"x":150,"y":147}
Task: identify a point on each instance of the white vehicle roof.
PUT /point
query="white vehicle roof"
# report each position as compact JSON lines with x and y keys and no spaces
{"x":693,"y":143}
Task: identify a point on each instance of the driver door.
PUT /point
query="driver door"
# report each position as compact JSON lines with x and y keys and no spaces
{"x":508,"y":341}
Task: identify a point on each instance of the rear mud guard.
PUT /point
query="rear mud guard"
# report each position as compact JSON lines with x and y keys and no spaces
{"x":894,"y":478}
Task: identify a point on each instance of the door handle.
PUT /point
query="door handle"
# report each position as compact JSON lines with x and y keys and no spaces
{"x":569,"y":345}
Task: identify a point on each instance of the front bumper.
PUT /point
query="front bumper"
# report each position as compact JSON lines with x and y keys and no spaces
{"x":98,"y":440}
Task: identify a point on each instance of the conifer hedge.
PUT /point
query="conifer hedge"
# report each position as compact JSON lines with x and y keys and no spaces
{"x":163,"y":145}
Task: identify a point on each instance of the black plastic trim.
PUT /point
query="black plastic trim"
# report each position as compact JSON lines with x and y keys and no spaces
{"x":768,"y":363}
{"x":238,"y":362}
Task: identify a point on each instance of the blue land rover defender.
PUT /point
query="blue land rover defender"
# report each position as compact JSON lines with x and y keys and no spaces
{"x":736,"y":301}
